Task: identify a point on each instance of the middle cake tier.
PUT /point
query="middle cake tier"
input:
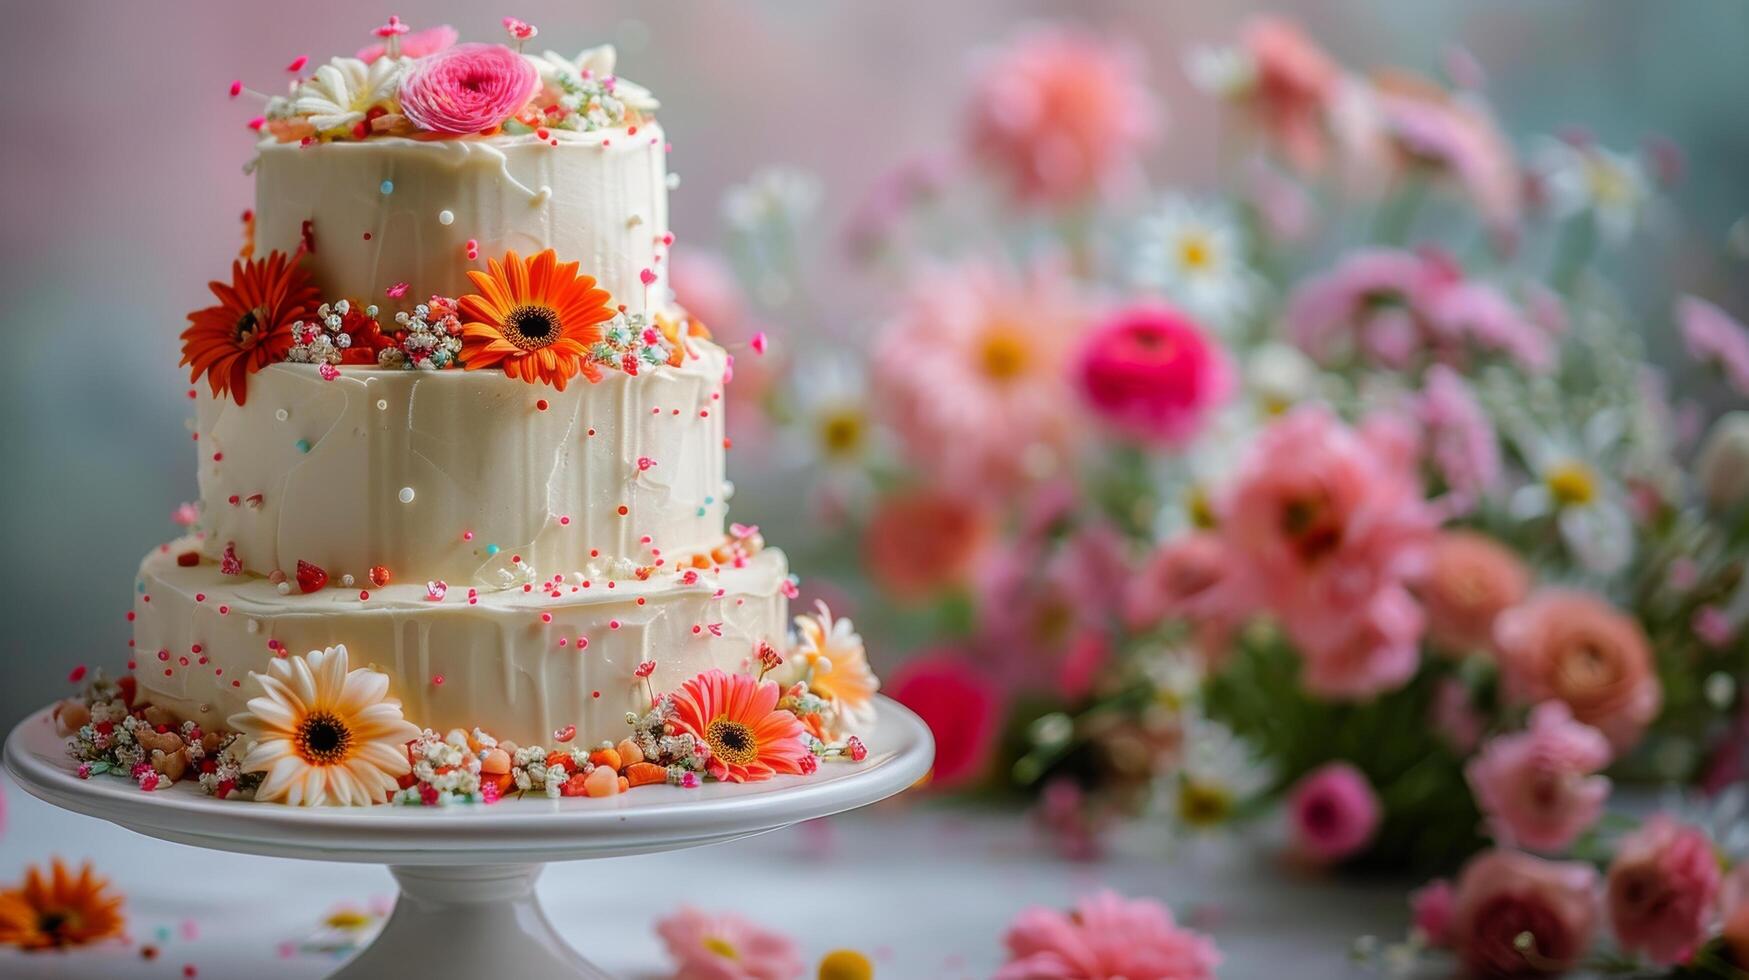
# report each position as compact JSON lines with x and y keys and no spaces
{"x":472,"y":477}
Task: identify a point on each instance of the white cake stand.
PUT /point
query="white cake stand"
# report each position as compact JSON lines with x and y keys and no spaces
{"x":467,"y":907}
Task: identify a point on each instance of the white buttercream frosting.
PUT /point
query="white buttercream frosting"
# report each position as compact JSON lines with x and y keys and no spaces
{"x":392,"y":210}
{"x":463,"y":475}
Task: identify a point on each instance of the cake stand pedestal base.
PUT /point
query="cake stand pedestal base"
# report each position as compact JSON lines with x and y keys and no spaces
{"x":467,"y":908}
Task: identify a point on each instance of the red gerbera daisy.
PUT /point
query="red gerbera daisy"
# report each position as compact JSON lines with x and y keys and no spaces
{"x":251,"y":327}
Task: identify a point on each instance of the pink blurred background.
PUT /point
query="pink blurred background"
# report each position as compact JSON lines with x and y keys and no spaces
{"x":125,"y":184}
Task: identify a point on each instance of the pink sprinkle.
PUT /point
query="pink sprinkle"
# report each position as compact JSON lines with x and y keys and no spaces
{"x":438,"y":680}
{"x":582,"y":642}
{"x":467,"y":535}
{"x":436,"y":590}
{"x":758,"y":342}
{"x":298,"y":63}
{"x":565,"y":734}
{"x":236,"y":88}
{"x":564,"y":520}
{"x":257,"y":123}
{"x":546,"y":617}
{"x":397,"y":291}
{"x":715,"y":628}
{"x":77,"y":675}
{"x":648,"y":276}
{"x":613,"y":624}
{"x":644,"y":463}
{"x":328,"y":371}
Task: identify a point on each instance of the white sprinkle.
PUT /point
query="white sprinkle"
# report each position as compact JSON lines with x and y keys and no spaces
{"x":446,"y":217}
{"x":406,"y":495}
{"x":673,"y":181}
{"x":282,"y":415}
{"x":540,"y":196}
{"x":254,"y":626}
{"x":382,"y":404}
{"x":346,"y":580}
{"x":284,"y":588}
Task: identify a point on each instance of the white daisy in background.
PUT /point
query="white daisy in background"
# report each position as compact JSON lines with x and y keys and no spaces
{"x":1221,"y":70}
{"x":1585,"y":178}
{"x":1279,"y":376}
{"x":324,"y":734}
{"x":1176,"y":675}
{"x":1572,"y":485}
{"x":1194,"y":253}
{"x":1219,"y":773}
{"x":340,"y":93}
{"x":772,"y":195}
{"x":832,"y":428}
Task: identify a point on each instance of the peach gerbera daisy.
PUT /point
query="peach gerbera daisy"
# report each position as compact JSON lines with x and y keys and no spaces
{"x":750,"y":737}
{"x":58,"y":909}
{"x":536,"y":318}
{"x":830,"y":654}
{"x":323,"y":733}
{"x":251,"y":327}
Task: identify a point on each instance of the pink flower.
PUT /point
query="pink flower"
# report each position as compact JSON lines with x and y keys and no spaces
{"x":1454,"y":716}
{"x":1481,"y":316}
{"x":1514,"y":915}
{"x":1333,"y":813}
{"x":1663,"y":890}
{"x":1713,"y":337}
{"x":920,"y":542}
{"x":1106,"y":937}
{"x":415,"y":45}
{"x":1575,"y":647}
{"x":971,"y":375}
{"x":1471,"y":579}
{"x":1431,"y":906}
{"x":1061,"y":115}
{"x":1327,"y":524}
{"x":962,"y":708}
{"x":467,"y":89}
{"x":1190,"y":577}
{"x":1460,"y":438}
{"x":1537,"y":787}
{"x":1452,"y":135}
{"x":1296,"y":81}
{"x":750,"y":738}
{"x":1152,"y":374}
{"x":1044,"y":605}
{"x":726,"y":947}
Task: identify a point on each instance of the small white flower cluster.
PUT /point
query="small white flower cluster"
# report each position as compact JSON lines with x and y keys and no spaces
{"x":630,"y":344}
{"x":226,"y":779}
{"x":683,"y":755}
{"x":586,"y":93}
{"x":446,"y":770}
{"x":530,"y":772}
{"x":325,"y":339}
{"x":429,"y":338}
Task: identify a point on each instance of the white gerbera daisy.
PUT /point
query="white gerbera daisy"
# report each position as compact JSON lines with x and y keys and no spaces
{"x":1195,"y":253}
{"x":1220,"y":772}
{"x":1571,"y":486}
{"x":324,"y":734}
{"x":1613,"y":187}
{"x":828,"y":654}
{"x":343,"y":91}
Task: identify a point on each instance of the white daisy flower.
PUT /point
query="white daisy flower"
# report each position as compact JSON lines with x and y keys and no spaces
{"x":774,"y":194}
{"x":1194,"y":252}
{"x":342,"y":92}
{"x":1572,"y":486}
{"x":1613,"y":187}
{"x":1223,"y":71}
{"x":1219,"y":773}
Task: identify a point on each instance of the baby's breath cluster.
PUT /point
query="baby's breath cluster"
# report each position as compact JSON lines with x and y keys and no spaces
{"x":326,"y":339}
{"x":630,"y":344}
{"x":427,"y":339}
{"x":683,"y":755}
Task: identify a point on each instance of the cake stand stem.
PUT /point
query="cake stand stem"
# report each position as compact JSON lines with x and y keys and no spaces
{"x":469,"y":922}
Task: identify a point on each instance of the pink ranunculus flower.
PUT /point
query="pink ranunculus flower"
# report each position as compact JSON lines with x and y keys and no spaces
{"x":1327,"y":524}
{"x":1663,"y":890}
{"x":1106,"y":937}
{"x":1376,"y":651}
{"x":1190,"y":577}
{"x":1431,"y":906}
{"x":1333,"y":813}
{"x":1714,"y":337}
{"x":1152,"y":374}
{"x":726,"y":947}
{"x":1045,"y":604}
{"x":1470,"y":580}
{"x":1539,"y":788}
{"x":1296,"y":81}
{"x":1455,"y":717}
{"x":467,"y":89}
{"x":970,"y":375}
{"x":417,"y":44}
{"x":1452,"y":135}
{"x":1062,"y":115}
{"x":1514,"y":915}
{"x":962,"y":707}
{"x":1575,"y":647}
{"x":1476,"y":315}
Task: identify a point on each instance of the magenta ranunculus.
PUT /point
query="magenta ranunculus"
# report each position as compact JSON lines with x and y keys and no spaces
{"x":1333,"y":813}
{"x":467,"y":89}
{"x":1514,"y":915}
{"x":962,"y":707}
{"x":1539,"y":787}
{"x":1153,"y":374}
{"x":1663,"y":890}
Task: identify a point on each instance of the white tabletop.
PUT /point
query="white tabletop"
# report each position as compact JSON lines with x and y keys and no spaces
{"x":925,"y":889}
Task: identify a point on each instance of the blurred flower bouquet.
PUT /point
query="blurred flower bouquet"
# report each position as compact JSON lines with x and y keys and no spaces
{"x":1351,"y":486}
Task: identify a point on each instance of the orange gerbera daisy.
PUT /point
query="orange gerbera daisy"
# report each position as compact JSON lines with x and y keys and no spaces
{"x":55,"y":910}
{"x":749,"y":736}
{"x":537,"y":318}
{"x":251,"y":327}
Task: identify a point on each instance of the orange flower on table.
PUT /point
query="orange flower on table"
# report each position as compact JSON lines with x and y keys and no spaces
{"x":536,"y":318}
{"x":251,"y":327}
{"x":749,"y":736}
{"x":59,"y":909}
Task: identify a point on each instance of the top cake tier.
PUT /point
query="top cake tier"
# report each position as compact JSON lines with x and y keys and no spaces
{"x":375,"y":214}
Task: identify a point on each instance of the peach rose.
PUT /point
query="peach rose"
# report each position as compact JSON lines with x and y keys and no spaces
{"x":921,"y":542}
{"x":1471,"y":579}
{"x":1663,"y":887}
{"x":1575,"y":647}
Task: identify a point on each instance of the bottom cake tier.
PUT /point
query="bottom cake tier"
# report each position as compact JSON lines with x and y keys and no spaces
{"x":519,"y":663}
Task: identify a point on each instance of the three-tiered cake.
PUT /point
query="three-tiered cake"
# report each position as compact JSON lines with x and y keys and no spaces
{"x":453,"y":430}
